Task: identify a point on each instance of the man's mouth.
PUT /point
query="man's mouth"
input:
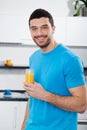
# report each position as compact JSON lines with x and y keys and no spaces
{"x":40,"y":38}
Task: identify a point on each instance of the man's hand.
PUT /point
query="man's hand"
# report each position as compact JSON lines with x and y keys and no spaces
{"x":35,"y":90}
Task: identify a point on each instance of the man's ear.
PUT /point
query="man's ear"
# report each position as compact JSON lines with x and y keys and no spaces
{"x":54,"y":28}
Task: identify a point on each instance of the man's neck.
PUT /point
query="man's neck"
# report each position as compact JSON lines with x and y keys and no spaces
{"x":50,"y":47}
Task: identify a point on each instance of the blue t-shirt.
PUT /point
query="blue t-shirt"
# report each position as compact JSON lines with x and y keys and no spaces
{"x":57,"y":71}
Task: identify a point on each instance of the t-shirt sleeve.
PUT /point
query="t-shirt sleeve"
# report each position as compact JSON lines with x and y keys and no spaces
{"x":74,"y":73}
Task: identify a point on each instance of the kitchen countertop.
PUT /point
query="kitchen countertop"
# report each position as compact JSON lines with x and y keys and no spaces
{"x":16,"y":95}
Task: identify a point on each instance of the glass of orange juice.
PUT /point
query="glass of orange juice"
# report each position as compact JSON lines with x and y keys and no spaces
{"x":29,"y":76}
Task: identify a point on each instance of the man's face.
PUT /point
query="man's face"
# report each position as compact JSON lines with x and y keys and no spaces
{"x":41,"y":31}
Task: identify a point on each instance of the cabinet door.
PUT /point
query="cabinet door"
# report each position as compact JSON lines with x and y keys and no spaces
{"x":76,"y":31}
{"x":82,"y":116}
{"x":22,"y":108}
{"x":60,"y":30}
{"x":82,"y":127}
{"x":9,"y":113}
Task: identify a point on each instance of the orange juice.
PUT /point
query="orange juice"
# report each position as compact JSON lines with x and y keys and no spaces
{"x":29,"y":77}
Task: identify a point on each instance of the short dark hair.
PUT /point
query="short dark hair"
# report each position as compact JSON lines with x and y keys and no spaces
{"x":38,"y":13}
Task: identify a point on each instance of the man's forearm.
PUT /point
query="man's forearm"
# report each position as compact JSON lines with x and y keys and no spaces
{"x":69,"y":103}
{"x":76,"y":102}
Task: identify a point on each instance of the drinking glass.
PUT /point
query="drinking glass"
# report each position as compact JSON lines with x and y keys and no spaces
{"x":29,"y":76}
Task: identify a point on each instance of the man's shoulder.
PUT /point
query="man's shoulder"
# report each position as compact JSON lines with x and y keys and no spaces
{"x":67,"y":52}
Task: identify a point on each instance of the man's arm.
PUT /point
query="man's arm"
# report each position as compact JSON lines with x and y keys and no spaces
{"x":76,"y":102}
{"x":25,"y":116}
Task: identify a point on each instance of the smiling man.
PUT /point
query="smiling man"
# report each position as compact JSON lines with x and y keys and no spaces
{"x":58,"y":92}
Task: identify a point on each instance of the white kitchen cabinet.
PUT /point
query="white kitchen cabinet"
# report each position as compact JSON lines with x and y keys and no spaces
{"x":9,"y":115}
{"x":14,"y":18}
{"x":82,"y":127}
{"x":69,"y":30}
{"x":82,"y":116}
{"x":76,"y":31}
{"x":22,"y":109}
{"x":60,"y":30}
{"x":13,"y":28}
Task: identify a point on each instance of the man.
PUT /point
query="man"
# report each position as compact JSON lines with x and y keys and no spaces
{"x":58,"y":92}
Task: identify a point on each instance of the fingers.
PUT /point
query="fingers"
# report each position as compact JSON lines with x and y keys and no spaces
{"x":28,"y":87}
{"x":28,"y":84}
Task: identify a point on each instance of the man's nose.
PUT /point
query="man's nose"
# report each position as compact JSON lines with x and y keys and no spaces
{"x":39,"y":31}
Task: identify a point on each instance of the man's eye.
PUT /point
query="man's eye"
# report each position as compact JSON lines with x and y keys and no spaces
{"x":45,"y":27}
{"x":33,"y":29}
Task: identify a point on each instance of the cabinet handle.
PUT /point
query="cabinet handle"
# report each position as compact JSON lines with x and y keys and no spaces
{"x":15,"y":117}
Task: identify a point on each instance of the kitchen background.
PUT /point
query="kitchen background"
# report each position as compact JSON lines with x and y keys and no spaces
{"x":16,"y":44}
